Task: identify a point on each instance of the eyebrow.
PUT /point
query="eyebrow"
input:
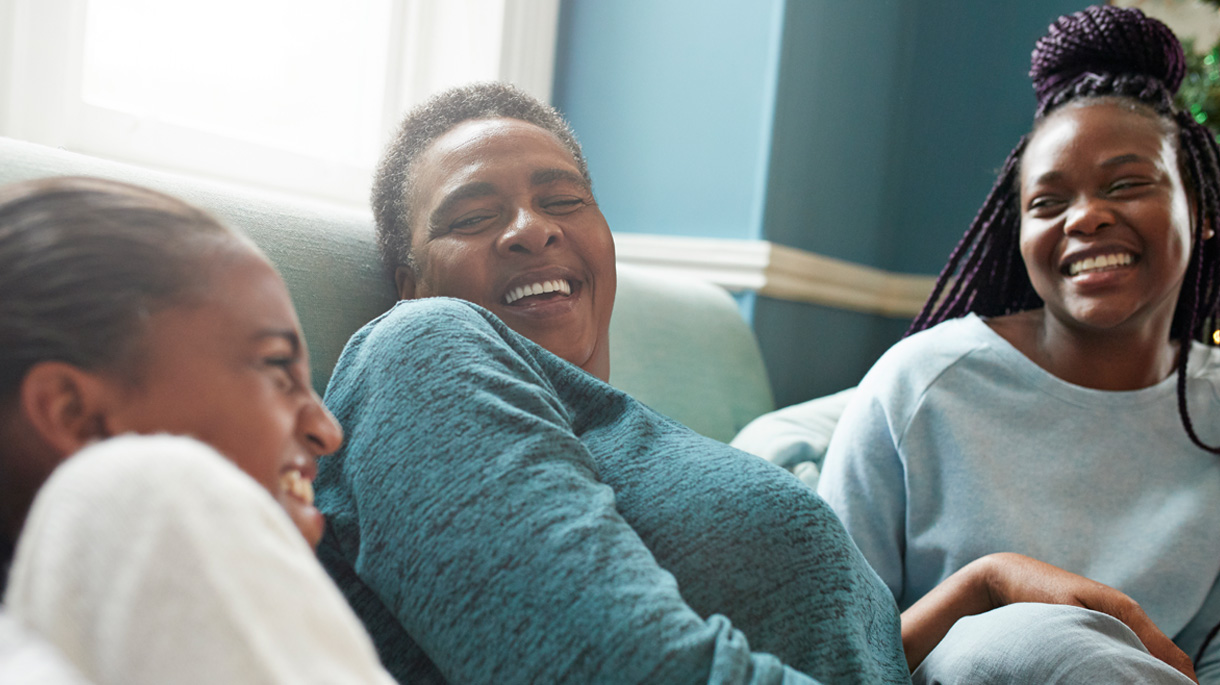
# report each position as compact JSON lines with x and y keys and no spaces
{"x":544,"y":176}
{"x":464,"y":192}
{"x":1126,"y":159}
{"x":1052,"y":176}
{"x":469,"y":191}
{"x":291,"y":336}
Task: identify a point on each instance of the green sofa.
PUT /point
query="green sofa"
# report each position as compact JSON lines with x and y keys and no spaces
{"x":678,"y":345}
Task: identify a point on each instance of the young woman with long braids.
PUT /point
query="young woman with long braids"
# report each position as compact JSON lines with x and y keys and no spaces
{"x":1056,"y":396}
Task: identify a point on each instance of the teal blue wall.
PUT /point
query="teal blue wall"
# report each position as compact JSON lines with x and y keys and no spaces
{"x":867,"y":130}
{"x":967,"y":100}
{"x":833,"y":131}
{"x":672,"y":101}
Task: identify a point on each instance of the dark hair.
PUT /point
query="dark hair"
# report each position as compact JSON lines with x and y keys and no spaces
{"x":1101,"y":53}
{"x":83,"y":263}
{"x":394,"y":180}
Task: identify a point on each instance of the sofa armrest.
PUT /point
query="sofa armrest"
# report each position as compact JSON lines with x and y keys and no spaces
{"x":796,"y":437}
{"x":681,"y":347}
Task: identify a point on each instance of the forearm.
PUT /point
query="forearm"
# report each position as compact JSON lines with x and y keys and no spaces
{"x":925,"y":623}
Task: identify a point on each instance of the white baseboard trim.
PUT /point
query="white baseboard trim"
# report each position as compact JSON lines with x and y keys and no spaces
{"x":779,"y":271}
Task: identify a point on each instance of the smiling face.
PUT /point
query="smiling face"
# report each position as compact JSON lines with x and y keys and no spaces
{"x":1105,"y":219}
{"x":503,"y":218}
{"x":230,"y":369}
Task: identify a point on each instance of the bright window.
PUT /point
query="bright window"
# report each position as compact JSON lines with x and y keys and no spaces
{"x":297,"y":95}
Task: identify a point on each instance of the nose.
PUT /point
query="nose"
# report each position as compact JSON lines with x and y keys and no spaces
{"x":1087,"y":216}
{"x":319,"y":428}
{"x":529,"y":233}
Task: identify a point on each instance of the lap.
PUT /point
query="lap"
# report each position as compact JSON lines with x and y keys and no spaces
{"x":1044,"y":644}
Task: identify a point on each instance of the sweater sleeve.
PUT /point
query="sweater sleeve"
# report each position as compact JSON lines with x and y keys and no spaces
{"x":1207,"y":669}
{"x":863,"y":480}
{"x":26,"y":659}
{"x":483,"y":527}
{"x":155,"y":560}
{"x":1193,"y":636}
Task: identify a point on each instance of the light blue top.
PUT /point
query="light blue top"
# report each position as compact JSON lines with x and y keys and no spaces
{"x":497,"y":515}
{"x":957,"y":446}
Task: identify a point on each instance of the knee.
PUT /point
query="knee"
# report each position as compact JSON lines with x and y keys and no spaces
{"x":1042,"y":643}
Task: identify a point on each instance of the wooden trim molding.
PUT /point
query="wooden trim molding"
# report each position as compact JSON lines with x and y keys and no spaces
{"x":779,"y":271}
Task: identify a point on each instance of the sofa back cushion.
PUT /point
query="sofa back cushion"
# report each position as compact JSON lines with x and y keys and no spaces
{"x":679,"y":346}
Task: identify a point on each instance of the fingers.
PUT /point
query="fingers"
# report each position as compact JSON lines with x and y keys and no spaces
{"x":1120,"y":606}
{"x":1016,"y":578}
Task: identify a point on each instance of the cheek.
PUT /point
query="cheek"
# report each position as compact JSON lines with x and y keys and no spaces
{"x":1179,"y":214}
{"x":1185,"y":237}
{"x":258,"y":436}
{"x":1029,"y":243}
{"x":1175,"y":240}
{"x":596,"y":244}
{"x":450,"y":272}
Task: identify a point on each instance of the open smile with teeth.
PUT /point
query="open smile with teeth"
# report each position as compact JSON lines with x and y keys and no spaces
{"x":1100,"y":263}
{"x":540,"y":288}
{"x":296,"y":484}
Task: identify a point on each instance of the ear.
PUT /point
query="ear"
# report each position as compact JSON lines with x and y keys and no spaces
{"x":404,"y":277}
{"x":65,"y":405}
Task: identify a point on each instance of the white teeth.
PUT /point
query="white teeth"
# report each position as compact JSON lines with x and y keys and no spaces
{"x":1099,"y":262}
{"x":296,"y":484}
{"x":560,"y":285}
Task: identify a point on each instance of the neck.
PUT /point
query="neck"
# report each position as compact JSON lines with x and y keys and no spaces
{"x":1102,"y":360}
{"x":25,"y":464}
{"x":15,"y":501}
{"x":598,"y":363}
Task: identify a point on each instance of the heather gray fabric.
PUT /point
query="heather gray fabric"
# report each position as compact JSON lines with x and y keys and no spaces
{"x":956,"y":445}
{"x":1043,"y":644}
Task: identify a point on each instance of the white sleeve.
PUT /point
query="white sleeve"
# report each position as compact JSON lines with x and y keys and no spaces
{"x":795,"y":437}
{"x":27,"y":660}
{"x":155,"y":560}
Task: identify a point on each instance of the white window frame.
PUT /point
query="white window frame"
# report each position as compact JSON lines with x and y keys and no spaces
{"x":42,"y":43}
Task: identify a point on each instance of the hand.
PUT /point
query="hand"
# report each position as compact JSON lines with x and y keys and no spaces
{"x":1000,"y":579}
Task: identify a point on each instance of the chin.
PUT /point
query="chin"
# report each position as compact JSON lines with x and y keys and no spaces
{"x":308,"y":520}
{"x":1101,"y":320}
{"x":580,"y":357}
{"x":312,"y":532}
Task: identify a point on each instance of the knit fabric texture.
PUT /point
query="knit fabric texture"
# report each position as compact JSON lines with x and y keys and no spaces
{"x":497,"y":515}
{"x":956,"y":445}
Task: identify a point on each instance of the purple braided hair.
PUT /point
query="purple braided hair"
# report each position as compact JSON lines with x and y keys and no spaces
{"x":1104,"y":40}
{"x":1100,"y":52}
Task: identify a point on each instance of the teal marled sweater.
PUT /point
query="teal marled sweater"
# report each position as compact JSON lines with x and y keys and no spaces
{"x":497,"y":515}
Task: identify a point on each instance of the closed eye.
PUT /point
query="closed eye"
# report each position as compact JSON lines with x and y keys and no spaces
{"x":564,"y":205}
{"x":1044,"y":204}
{"x":472,"y":223}
{"x":1128,"y":184}
{"x":284,"y":369}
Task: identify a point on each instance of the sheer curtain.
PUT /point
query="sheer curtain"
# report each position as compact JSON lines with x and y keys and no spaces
{"x":295,"y":95}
